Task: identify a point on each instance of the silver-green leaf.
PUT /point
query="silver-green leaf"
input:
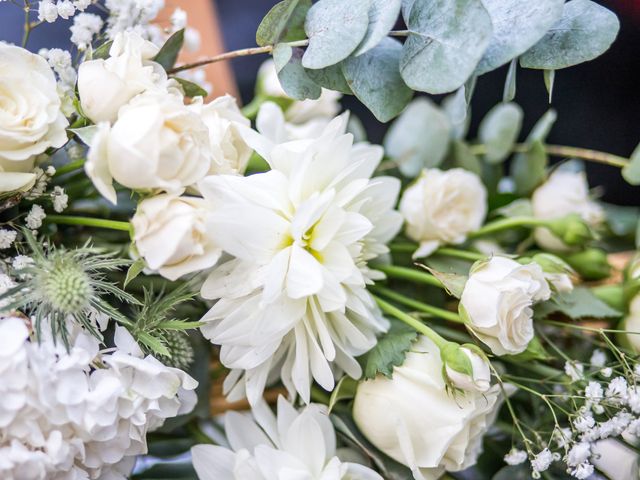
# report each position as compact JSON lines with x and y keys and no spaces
{"x":517,"y":26}
{"x":284,"y":22}
{"x":419,"y":138}
{"x":375,"y":79}
{"x":528,"y":168}
{"x":499,"y":131}
{"x":446,"y":41}
{"x":293,"y":77}
{"x":335,"y":28}
{"x":631,"y":172}
{"x":585,"y":31}
{"x":382,"y":17}
{"x":331,"y":78}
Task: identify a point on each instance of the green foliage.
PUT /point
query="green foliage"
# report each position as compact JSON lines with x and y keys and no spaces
{"x":102,"y":52}
{"x":390,"y":350}
{"x":382,"y":17}
{"x":585,"y":31}
{"x":191,"y":89}
{"x":283,"y":23}
{"x":577,"y":304}
{"x":294,"y":79}
{"x":345,"y":390}
{"x":168,"y":54}
{"x":499,"y":131}
{"x":331,"y":78}
{"x":631,"y":172}
{"x":528,"y":169}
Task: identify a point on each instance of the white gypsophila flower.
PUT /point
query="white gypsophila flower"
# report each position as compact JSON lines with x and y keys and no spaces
{"x":515,"y":457}
{"x":633,"y":399}
{"x":223,"y":118}
{"x":178,"y":19}
{"x":442,"y":207}
{"x":66,"y":9}
{"x":584,"y":422}
{"x":60,"y":199}
{"x":21,"y":261}
{"x":7,"y":237}
{"x":562,"y":194}
{"x":616,"y":391}
{"x":82,"y":5}
{"x":47,"y":11}
{"x":583,"y":471}
{"x":541,"y":462}
{"x":497,"y":299}
{"x":574,"y":370}
{"x":31,"y":120}
{"x":192,"y":42}
{"x":579,"y":453}
{"x":35,"y":217}
{"x":562,"y":436}
{"x":172,"y":235}
{"x":295,"y":444}
{"x":85,"y":27}
{"x":126,"y":15}
{"x":390,"y":412}
{"x":598,"y":358}
{"x":157,"y":143}
{"x":105,"y":85}
{"x":64,"y":417}
{"x":606,"y":372}
{"x":293,"y":299}
{"x":594,"y":392}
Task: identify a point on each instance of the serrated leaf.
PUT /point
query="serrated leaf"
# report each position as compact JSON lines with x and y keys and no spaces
{"x":283,"y":23}
{"x":585,"y":31}
{"x":382,"y":17}
{"x":331,"y":78}
{"x":335,"y":28}
{"x":528,"y":169}
{"x":153,"y":344}
{"x":419,"y":138}
{"x":631,"y":172}
{"x":463,"y":157}
{"x":509,"y":92}
{"x":134,"y":270}
{"x":577,"y":304}
{"x":390,"y":350}
{"x":168,"y":54}
{"x":293,"y":77}
{"x":345,"y":390}
{"x":179,"y":325}
{"x":447,"y":40}
{"x":102,"y":52}
{"x":85,"y":134}
{"x":517,"y":26}
{"x":499,"y":131}
{"x":191,"y":89}
{"x":375,"y":80}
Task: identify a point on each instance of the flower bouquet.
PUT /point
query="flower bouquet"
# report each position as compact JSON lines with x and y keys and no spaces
{"x":190,"y":289}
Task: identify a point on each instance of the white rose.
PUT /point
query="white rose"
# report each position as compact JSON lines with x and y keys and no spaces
{"x":31,"y":120}
{"x":616,"y":460}
{"x":417,"y":422}
{"x":478,"y":379}
{"x":562,"y":194}
{"x":106,"y":85}
{"x":497,"y":301}
{"x":632,"y":324}
{"x":171,"y":234}
{"x":223,"y":118}
{"x":156,"y":143}
{"x":442,"y":207}
{"x":16,"y":176}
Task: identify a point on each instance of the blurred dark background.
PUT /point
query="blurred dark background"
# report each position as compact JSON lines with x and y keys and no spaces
{"x":598,"y":102}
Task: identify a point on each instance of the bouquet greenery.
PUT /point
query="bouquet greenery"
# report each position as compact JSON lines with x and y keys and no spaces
{"x":189,"y":289}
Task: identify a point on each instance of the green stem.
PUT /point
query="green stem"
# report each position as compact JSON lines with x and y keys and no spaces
{"x":463,"y":254}
{"x":70,"y":167}
{"x":417,"y":305}
{"x":411,"y":321}
{"x":507,"y":224}
{"x":89,"y":222}
{"x":27,"y":23}
{"x":409,"y":274}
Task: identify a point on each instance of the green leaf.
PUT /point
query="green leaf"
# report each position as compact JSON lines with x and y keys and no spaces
{"x":419,"y":138}
{"x":179,"y":325}
{"x":406,"y":9}
{"x":375,"y":81}
{"x":85,"y":134}
{"x":153,"y":344}
{"x":463,"y":157}
{"x":335,"y":28}
{"x":283,"y":23}
{"x":631,"y":172}
{"x":102,"y":52}
{"x":191,"y":89}
{"x":382,"y":17}
{"x":528,"y":168}
{"x":168,"y":54}
{"x":543,"y":126}
{"x":622,"y":220}
{"x":549,"y":80}
{"x":134,"y":270}
{"x":585,"y":31}
{"x":390,"y":350}
{"x":345,"y":390}
{"x":579,"y":303}
{"x":447,"y":40}
{"x":517,"y":26}
{"x":509,"y":92}
{"x":534,"y":351}
{"x":293,"y":77}
{"x":499,"y":131}
{"x":331,"y":78}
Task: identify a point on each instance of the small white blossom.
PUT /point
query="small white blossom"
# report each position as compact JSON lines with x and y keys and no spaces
{"x":617,"y":390}
{"x":584,"y":422}
{"x":35,"y":217}
{"x":562,"y":437}
{"x":85,"y":26}
{"x":515,"y":457}
{"x":606,"y":372}
{"x":82,"y":5}
{"x":634,"y":428}
{"x":579,"y":453}
{"x":47,"y":11}
{"x":65,"y":9}
{"x":7,"y":237}
{"x":542,"y":461}
{"x":598,"y":358}
{"x":60,"y":199}
{"x":179,"y":19}
{"x":51,"y":170}
{"x":594,"y":392}
{"x":633,"y":399}
{"x":582,"y":471}
{"x":575,"y":371}
{"x":21,"y":261}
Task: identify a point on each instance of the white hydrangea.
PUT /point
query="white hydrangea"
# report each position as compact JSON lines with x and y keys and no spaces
{"x":80,"y":413}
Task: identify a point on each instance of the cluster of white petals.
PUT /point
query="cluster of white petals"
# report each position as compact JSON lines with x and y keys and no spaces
{"x":292,"y":302}
{"x":295,"y":445}
{"x":81,"y":413}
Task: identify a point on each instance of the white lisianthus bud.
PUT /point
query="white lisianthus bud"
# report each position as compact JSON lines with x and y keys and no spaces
{"x":556,"y":271}
{"x":106,"y":85}
{"x":467,"y":367}
{"x":390,"y":412}
{"x":442,"y":207}
{"x":31,"y":120}
{"x":156,"y":143}
{"x":496,"y":303}
{"x":171,"y":234}
{"x":615,"y":459}
{"x":562,"y":194}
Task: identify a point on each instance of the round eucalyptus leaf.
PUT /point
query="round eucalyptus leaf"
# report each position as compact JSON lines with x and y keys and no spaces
{"x":517,"y":26}
{"x":499,"y":131}
{"x":335,"y":28}
{"x":631,"y":172}
{"x":585,"y":31}
{"x":293,"y":77}
{"x":447,"y":40}
{"x":284,"y":22}
{"x":382,"y":17}
{"x":331,"y":78}
{"x":406,"y":9}
{"x":528,"y":169}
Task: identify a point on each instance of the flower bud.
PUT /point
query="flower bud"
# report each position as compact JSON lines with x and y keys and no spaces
{"x":572,"y":229}
{"x":466,"y":367}
{"x":591,"y":264}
